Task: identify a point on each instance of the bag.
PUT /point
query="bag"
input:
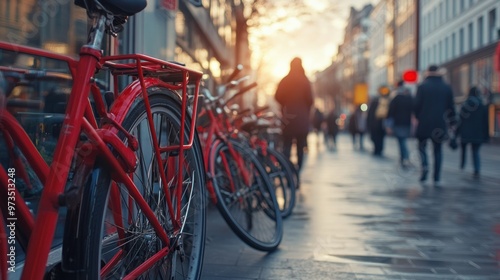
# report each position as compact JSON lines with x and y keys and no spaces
{"x":382,"y":108}
{"x":453,"y":143}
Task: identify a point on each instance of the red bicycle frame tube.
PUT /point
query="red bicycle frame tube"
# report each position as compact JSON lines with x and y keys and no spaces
{"x":72,"y":63}
{"x":46,"y":221}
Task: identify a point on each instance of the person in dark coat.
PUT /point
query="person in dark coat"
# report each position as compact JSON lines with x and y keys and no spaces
{"x":398,"y":121}
{"x":294,"y":94}
{"x":357,"y":127}
{"x":473,"y":127}
{"x":435,"y":112}
{"x":317,"y":121}
{"x":332,"y":129}
{"x":377,"y":113}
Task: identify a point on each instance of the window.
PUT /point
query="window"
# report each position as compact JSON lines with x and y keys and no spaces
{"x":435,"y":21}
{"x":429,"y":56}
{"x":447,"y":12}
{"x":492,"y":18}
{"x":431,"y":21}
{"x":439,"y":53}
{"x":446,"y":49}
{"x":435,"y":54}
{"x":480,"y":31}
{"x":424,"y":30}
{"x":442,"y":14}
{"x":462,"y":41}
{"x":453,"y":44}
{"x":462,"y":5}
{"x":471,"y":36}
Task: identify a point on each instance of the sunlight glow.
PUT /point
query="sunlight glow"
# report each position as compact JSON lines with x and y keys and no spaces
{"x":292,"y":24}
{"x":288,"y":31}
{"x":317,"y":5}
{"x":280,"y":69}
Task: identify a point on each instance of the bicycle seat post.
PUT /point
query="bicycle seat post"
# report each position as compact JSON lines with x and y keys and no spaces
{"x":97,"y":33}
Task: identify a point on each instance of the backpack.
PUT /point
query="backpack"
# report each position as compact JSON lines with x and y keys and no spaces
{"x":382,"y":108}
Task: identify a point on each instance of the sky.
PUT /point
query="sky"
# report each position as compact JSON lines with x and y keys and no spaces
{"x":315,"y":40}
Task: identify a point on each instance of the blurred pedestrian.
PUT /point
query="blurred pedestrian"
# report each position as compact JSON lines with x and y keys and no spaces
{"x":332,"y":130}
{"x":398,"y":121}
{"x":377,"y":113}
{"x":294,"y":94}
{"x":357,"y":127}
{"x":317,"y":121}
{"x":435,"y":112}
{"x":473,"y":127}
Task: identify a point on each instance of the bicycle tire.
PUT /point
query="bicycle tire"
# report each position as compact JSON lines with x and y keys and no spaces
{"x":251,"y":211}
{"x":283,"y":178}
{"x":98,"y":229}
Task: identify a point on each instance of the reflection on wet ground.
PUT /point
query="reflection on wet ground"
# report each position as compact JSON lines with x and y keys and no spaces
{"x":361,"y":217}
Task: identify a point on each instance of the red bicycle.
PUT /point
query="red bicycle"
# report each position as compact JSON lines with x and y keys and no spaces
{"x":126,"y":174}
{"x":260,"y":129}
{"x":237,"y":182}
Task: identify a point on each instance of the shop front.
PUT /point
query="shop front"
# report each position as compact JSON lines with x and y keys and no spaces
{"x":478,"y":69}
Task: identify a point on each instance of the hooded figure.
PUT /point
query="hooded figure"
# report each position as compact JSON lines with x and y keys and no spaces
{"x":473,"y":127}
{"x":294,"y":94}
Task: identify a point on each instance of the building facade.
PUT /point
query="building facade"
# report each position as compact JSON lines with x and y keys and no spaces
{"x":405,"y":37}
{"x":204,"y":38}
{"x":461,"y":36}
{"x":380,"y":46}
{"x":393,"y":42}
{"x":354,"y":57}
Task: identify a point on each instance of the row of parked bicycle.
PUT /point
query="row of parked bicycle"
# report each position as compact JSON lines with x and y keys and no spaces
{"x":252,"y":183}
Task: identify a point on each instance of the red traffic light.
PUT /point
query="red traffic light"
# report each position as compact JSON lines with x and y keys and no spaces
{"x":410,"y":76}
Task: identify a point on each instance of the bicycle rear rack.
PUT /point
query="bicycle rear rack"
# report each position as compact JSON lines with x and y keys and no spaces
{"x":173,"y":76}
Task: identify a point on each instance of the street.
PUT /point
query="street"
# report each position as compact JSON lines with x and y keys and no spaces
{"x":362,"y":217}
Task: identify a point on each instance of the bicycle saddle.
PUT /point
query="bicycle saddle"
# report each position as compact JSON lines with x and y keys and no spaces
{"x":117,"y":7}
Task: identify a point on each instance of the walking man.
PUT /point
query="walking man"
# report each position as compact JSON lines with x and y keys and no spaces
{"x":398,"y":120}
{"x":435,"y":112}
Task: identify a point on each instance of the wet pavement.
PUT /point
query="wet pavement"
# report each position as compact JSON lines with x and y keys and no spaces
{"x":362,"y":217}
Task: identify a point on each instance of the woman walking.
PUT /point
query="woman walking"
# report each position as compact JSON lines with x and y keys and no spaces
{"x":473,"y":127}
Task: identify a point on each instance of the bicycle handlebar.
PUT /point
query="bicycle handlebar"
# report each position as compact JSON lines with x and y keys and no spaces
{"x":241,"y":92}
{"x":235,"y":73}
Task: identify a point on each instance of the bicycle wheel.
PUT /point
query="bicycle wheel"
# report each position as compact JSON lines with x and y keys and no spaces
{"x":248,"y":206}
{"x":282,"y":176}
{"x":114,"y":235}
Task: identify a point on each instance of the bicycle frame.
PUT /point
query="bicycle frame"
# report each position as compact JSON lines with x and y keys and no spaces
{"x":37,"y":234}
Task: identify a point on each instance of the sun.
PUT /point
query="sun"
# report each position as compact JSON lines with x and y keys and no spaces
{"x":279,"y":70}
